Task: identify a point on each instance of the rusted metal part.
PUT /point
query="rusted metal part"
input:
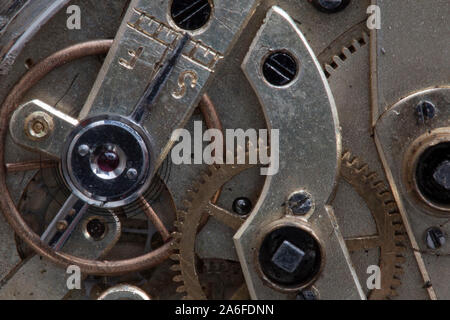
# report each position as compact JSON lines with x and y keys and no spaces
{"x":391,"y":235}
{"x":7,"y":205}
{"x":153,"y":217}
{"x":13,"y":216}
{"x":209,"y":113}
{"x":30,"y":165}
{"x":189,"y":222}
{"x":212,"y":121}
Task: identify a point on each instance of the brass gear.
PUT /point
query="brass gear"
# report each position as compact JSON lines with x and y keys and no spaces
{"x":196,"y":205}
{"x":391,"y":234}
{"x":390,"y":238}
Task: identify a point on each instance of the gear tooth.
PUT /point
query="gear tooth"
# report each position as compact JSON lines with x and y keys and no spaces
{"x":183,"y":255}
{"x":354,"y":162}
{"x":391,"y":207}
{"x":398,"y":228}
{"x":375,"y":183}
{"x":176,"y":235}
{"x":181,"y":289}
{"x":346,"y":51}
{"x":382,"y":205}
{"x":356,"y":44}
{"x":178,"y":278}
{"x":373,"y":178}
{"x":176,"y":267}
{"x":175,"y":257}
{"x":182,"y":215}
{"x":400,"y":260}
{"x":363,"y":169}
{"x":338,"y":61}
{"x":179,"y":224}
{"x":396,"y":221}
{"x":400,"y":239}
{"x":385,"y":195}
{"x":347,"y":156}
{"x":329,"y":69}
{"x":399,"y":271}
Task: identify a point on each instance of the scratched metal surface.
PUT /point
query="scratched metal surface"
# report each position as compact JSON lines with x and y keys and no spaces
{"x":69,"y":88}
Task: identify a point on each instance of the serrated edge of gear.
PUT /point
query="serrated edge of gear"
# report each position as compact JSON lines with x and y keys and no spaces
{"x":374,"y":192}
{"x":184,"y":246}
{"x":378,"y":187}
{"x":346,"y":53}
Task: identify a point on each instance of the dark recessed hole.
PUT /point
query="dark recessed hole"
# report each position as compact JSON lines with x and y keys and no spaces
{"x":290,"y":257}
{"x":433,"y":174}
{"x":191,"y":14}
{"x":96,"y":229}
{"x":280,"y":68}
{"x":330,"y":6}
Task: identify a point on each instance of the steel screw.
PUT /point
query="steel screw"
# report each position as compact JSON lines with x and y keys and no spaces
{"x":132,"y":174}
{"x":425,"y":111}
{"x":83,"y":150}
{"x":242,"y":206}
{"x":280,"y":68}
{"x":62,"y":225}
{"x":38,"y":125}
{"x":330,"y":6}
{"x":190,"y":15}
{"x":307,"y":294}
{"x":300,"y":203}
{"x":435,"y":238}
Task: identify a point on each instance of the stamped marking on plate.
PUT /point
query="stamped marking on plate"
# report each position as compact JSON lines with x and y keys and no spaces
{"x":135,"y":54}
{"x":182,"y":86}
{"x":197,"y":52}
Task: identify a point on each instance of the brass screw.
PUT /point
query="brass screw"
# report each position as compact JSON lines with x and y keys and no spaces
{"x":62,"y":225}
{"x":38,"y":125}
